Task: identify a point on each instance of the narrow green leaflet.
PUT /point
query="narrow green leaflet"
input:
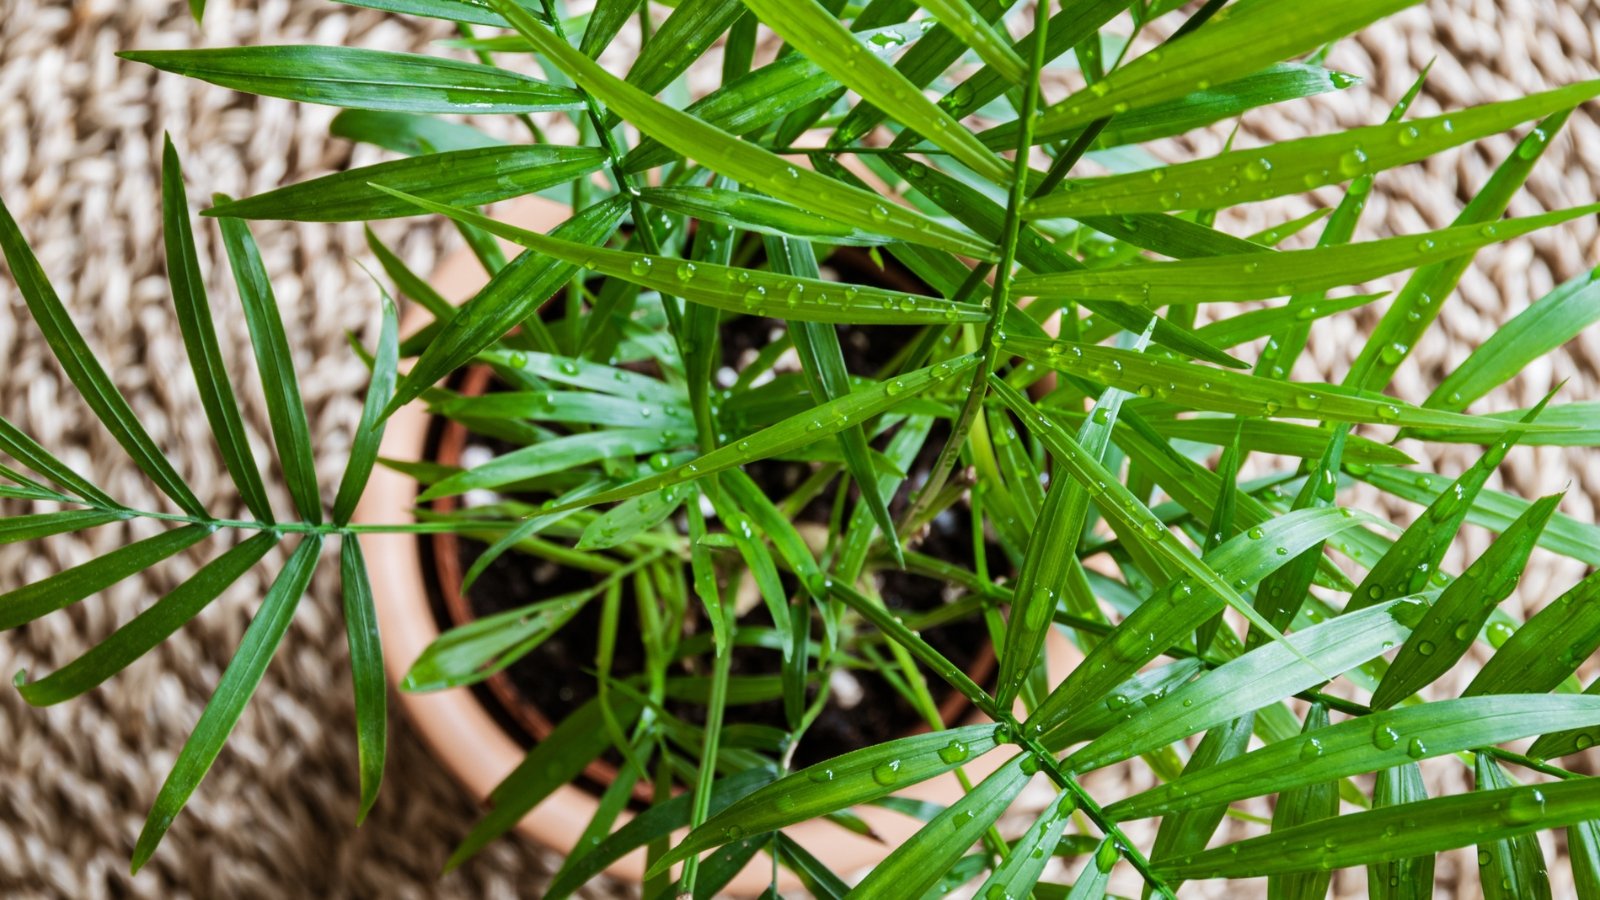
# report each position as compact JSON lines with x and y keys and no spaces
{"x":1133,"y":697}
{"x":65,"y":588}
{"x":366,"y":671}
{"x":555,"y":761}
{"x":408,"y":133}
{"x":1258,"y":678}
{"x":1299,"y":806}
{"x":459,"y":178}
{"x":1400,"y":879}
{"x":792,"y":433}
{"x":27,"y":451}
{"x":741,"y":161}
{"x":625,"y":521}
{"x":733,"y":289}
{"x":839,"y":783}
{"x":990,"y":42}
{"x":1511,"y":868}
{"x":275,"y":362}
{"x":87,"y":375}
{"x":1292,"y":167}
{"x":1452,"y":624}
{"x":364,"y":79}
{"x":1568,"y":424}
{"x":1419,"y":302}
{"x":470,"y":653}
{"x":813,"y":874}
{"x":826,"y":41}
{"x":200,"y":339}
{"x":238,"y":682}
{"x":1258,"y":323}
{"x":149,"y":628}
{"x":1132,"y":518}
{"x":1551,"y":321}
{"x":1261,"y":276}
{"x":683,"y":38}
{"x":511,"y":296}
{"x":1397,"y":832}
{"x":38,"y":525}
{"x":369,"y":430}
{"x":1381,"y":740}
{"x":1275,"y":84}
{"x":1191,"y":830}
{"x":1016,"y":875}
{"x":915,"y":866}
{"x":753,"y":212}
{"x":1492,"y":509}
{"x":660,"y":820}
{"x":561,"y":406}
{"x":1583,"y":847}
{"x":1548,"y":648}
{"x":471,"y":12}
{"x":556,"y":455}
{"x":1196,"y":386}
{"x":1237,"y":41}
{"x":1414,"y":558}
{"x":1284,"y":438}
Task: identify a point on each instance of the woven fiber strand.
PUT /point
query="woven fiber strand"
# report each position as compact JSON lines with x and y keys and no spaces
{"x":80,"y":137}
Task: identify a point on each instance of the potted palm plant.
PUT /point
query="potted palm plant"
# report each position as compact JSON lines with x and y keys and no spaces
{"x":728,"y":521}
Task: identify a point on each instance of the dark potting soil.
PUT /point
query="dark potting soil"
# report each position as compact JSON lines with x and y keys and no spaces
{"x":556,"y":676}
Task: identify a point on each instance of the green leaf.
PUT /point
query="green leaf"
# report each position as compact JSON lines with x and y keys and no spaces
{"x":512,"y":295}
{"x":1451,"y":626}
{"x":1195,"y":386}
{"x":818,"y":34}
{"x":1397,"y":832}
{"x":1381,"y":740}
{"x":1259,"y":276}
{"x":1548,"y":648}
{"x":839,"y":783}
{"x":792,"y":433}
{"x":1016,"y":875}
{"x":1096,"y":874}
{"x":1175,"y":611}
{"x":290,"y":432}
{"x":87,"y":375}
{"x":660,"y":820}
{"x":1256,"y":679}
{"x":149,"y":628}
{"x":1583,"y":846}
{"x":1234,"y":43}
{"x":1272,"y":436}
{"x":193,"y":311}
{"x":408,"y":133}
{"x":1139,"y":691}
{"x":356,"y":78}
{"x":1191,"y":829}
{"x":1551,"y":321}
{"x":1569,"y":424}
{"x":27,"y":451}
{"x":1292,"y":167}
{"x":740,"y":161}
{"x":467,"y":654}
{"x":746,"y":291}
{"x":561,"y":406}
{"x":625,"y":521}
{"x":471,"y":12}
{"x":38,"y":525}
{"x":813,"y":874}
{"x":1299,"y":806}
{"x":366,"y":670}
{"x":915,"y":866}
{"x":1491,"y":509}
{"x":238,"y":682}
{"x":369,"y":430}
{"x":556,"y":455}
{"x":1511,"y":868}
{"x":1247,"y":326}
{"x":553,"y":762}
{"x":1278,"y":83}
{"x":1419,"y":302}
{"x":459,"y":177}
{"x":753,"y":212}
{"x":1400,"y":879}
{"x":63,"y":589}
{"x":1284,"y":592}
{"x":992,"y":45}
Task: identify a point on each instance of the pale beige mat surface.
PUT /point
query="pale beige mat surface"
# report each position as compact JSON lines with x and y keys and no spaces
{"x":80,"y":137}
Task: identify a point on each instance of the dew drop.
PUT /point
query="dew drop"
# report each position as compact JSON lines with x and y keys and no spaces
{"x":887,"y":773}
{"x":641,"y":266}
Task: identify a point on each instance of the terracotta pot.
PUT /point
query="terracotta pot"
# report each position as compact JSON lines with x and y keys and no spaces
{"x":464,"y":735}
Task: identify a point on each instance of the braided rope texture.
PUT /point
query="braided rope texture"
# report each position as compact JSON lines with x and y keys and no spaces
{"x":80,"y":137}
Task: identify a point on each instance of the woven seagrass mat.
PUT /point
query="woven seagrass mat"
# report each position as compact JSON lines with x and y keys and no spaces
{"x":80,"y":137}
